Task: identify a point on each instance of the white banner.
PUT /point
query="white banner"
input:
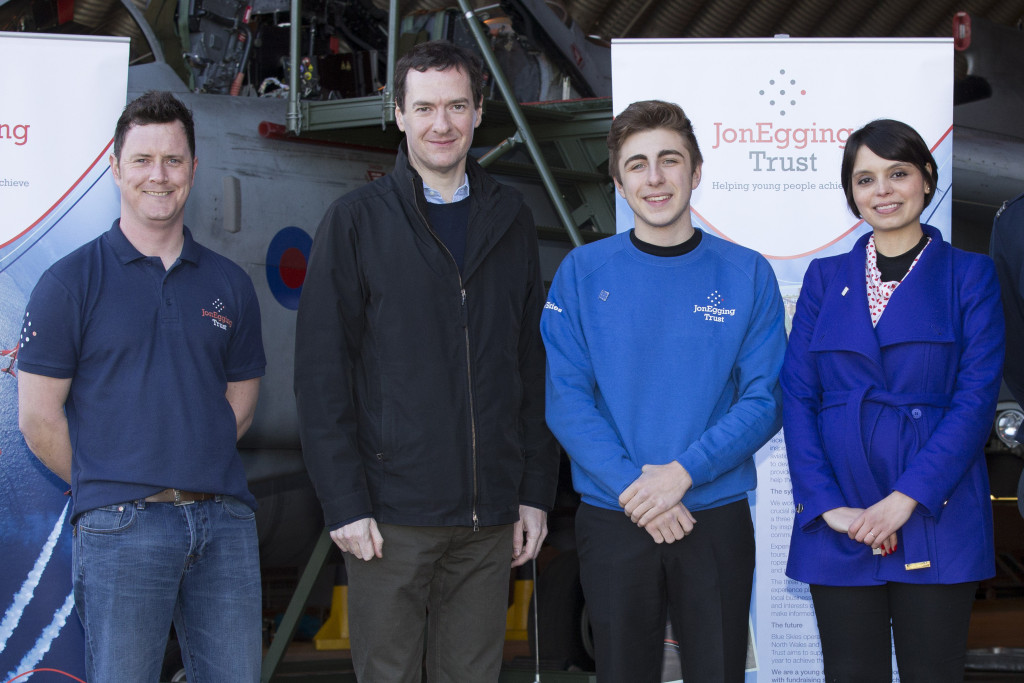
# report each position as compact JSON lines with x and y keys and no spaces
{"x":771,"y":117}
{"x":61,"y":99}
{"x":55,"y":119}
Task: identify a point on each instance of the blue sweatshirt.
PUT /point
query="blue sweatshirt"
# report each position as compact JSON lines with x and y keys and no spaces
{"x":653,"y":359}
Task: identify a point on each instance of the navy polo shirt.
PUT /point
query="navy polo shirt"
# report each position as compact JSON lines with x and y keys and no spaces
{"x":150,"y":353}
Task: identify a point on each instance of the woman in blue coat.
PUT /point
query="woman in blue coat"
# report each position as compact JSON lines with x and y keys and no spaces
{"x":890,"y":384}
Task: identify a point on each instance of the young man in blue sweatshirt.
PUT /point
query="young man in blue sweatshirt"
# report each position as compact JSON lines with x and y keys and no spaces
{"x":664,"y":346}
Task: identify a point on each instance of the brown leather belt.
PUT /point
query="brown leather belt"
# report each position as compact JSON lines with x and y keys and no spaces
{"x":178,"y":497}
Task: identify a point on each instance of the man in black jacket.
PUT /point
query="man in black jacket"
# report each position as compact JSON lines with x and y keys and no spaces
{"x":419,"y":376}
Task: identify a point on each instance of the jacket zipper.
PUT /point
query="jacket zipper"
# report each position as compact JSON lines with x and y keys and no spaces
{"x":469,"y":367}
{"x":472,"y":407}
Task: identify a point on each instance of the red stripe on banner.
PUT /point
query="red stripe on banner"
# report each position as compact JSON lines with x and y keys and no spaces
{"x":778,"y":258}
{"x":944,"y":136}
{"x":55,"y":671}
{"x":817,"y":249}
{"x":62,"y":197}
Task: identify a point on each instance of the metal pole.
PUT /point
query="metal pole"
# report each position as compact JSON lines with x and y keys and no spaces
{"x":183,"y":34}
{"x":290,"y":621}
{"x":524,"y":128}
{"x":388,"y":115}
{"x":293,"y":119}
{"x":496,"y":153}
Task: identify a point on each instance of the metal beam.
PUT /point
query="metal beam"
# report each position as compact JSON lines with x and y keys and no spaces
{"x":506,"y":145}
{"x":290,"y":621}
{"x":352,"y":112}
{"x":521,"y":124}
{"x":388,"y":115}
{"x":293,"y":119}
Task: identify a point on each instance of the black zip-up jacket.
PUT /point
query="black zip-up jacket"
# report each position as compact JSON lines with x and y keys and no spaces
{"x":421,"y":391}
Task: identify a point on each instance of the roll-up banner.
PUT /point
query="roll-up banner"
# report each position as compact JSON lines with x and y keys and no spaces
{"x":61,"y":99}
{"x":771,"y":118}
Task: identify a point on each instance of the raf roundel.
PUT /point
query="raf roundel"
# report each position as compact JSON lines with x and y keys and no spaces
{"x":287,"y":257}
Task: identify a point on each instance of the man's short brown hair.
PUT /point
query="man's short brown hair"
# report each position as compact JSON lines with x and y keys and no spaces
{"x":155,"y":106}
{"x":440,"y":55}
{"x":650,"y":115}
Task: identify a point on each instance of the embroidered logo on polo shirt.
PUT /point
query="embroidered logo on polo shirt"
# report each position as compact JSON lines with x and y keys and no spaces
{"x":715,"y":311}
{"x":216,"y":317}
{"x":26,"y":331}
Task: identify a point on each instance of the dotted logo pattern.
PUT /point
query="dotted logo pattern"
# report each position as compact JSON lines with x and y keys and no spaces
{"x":782,"y":92}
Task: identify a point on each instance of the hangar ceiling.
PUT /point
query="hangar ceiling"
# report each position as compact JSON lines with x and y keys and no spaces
{"x":607,"y":19}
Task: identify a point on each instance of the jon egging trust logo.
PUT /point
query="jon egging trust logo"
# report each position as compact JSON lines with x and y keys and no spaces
{"x":779,"y":139}
{"x":216,"y":315}
{"x":782,"y":92}
{"x":781,"y":95}
{"x":715,"y":311}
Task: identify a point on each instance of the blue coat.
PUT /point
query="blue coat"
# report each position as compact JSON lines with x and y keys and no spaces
{"x":905,"y":406}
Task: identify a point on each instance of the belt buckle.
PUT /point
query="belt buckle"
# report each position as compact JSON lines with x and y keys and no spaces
{"x":178,"y":502}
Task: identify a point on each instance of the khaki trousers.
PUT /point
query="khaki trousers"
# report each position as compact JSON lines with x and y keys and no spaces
{"x":449,"y":582}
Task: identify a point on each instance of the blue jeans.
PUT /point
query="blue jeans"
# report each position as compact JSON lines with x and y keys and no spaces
{"x":138,"y":566}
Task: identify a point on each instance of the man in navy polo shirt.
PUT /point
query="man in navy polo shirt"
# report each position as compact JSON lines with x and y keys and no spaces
{"x":140,"y":361}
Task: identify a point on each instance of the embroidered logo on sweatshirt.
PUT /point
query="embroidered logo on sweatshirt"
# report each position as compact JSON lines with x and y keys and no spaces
{"x":715,"y":311}
{"x":550,"y":306}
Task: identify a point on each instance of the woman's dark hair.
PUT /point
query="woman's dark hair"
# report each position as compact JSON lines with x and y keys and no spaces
{"x":892,"y":140}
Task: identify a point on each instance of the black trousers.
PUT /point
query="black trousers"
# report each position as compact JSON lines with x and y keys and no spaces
{"x":928,"y":625}
{"x":702,"y":582}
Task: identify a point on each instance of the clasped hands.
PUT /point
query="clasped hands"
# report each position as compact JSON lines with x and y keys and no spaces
{"x":875,"y":526}
{"x":653,"y":502}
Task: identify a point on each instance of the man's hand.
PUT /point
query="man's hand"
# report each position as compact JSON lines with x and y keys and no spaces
{"x":533,"y":524}
{"x":878,"y":525}
{"x":671,"y":525}
{"x":658,"y":489}
{"x":361,"y":538}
